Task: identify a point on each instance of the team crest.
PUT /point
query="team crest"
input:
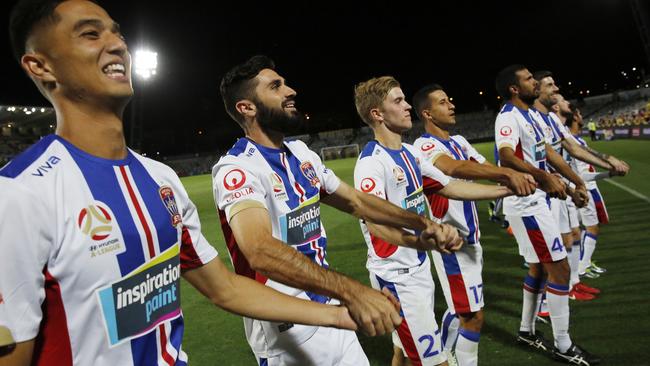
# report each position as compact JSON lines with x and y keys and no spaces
{"x":399,"y":174}
{"x":278,"y":186}
{"x":310,"y":173}
{"x":167,"y":197}
{"x":531,"y":129}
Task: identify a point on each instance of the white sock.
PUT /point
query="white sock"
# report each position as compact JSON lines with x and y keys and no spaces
{"x":467,"y":347}
{"x":574,"y":263}
{"x":450,"y":324}
{"x":589,"y":245}
{"x":557,"y":297}
{"x":530,"y":304}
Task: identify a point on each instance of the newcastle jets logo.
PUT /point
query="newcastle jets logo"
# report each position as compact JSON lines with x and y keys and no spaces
{"x":234,"y":179}
{"x":167,"y":197}
{"x":310,"y":173}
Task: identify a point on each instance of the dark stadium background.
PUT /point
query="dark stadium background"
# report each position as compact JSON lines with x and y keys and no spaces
{"x":324,"y":48}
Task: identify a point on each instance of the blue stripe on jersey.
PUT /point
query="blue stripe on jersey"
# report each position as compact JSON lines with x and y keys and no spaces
{"x":507,"y":108}
{"x":422,"y":256}
{"x":551,"y":123}
{"x":301,"y":179}
{"x":264,"y":362}
{"x":468,"y":210}
{"x":530,"y":223}
{"x":452,"y":267}
{"x":391,"y":287}
{"x":317,"y":298}
{"x":23,"y":160}
{"x":145,"y":349}
{"x":102,"y":181}
{"x":496,"y":154}
{"x":176,"y":336}
{"x":239,"y":147}
{"x":149,"y":190}
{"x":396,"y":155}
{"x":273,"y":158}
{"x":368,"y":149}
{"x":312,"y":254}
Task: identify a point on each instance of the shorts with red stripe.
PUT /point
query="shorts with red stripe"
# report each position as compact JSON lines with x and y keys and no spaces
{"x":565,"y":213}
{"x":595,"y":213}
{"x":538,"y":237}
{"x":460,"y":277}
{"x":418,"y":334}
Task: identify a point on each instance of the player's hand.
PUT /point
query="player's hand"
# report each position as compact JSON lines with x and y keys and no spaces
{"x":343,"y":319}
{"x":553,"y":186}
{"x":373,"y":311}
{"x":619,"y":167}
{"x":521,"y":184}
{"x":579,"y":196}
{"x":441,"y":237}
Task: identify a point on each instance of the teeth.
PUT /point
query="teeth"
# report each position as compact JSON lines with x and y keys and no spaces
{"x":111,"y":68}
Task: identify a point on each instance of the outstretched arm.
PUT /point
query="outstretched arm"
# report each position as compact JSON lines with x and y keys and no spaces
{"x":548,"y":182}
{"x":577,"y":151}
{"x":469,"y":191}
{"x":373,"y":311}
{"x":243,"y":296}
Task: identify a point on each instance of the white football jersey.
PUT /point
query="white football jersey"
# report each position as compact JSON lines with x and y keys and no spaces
{"x":520,"y":130}
{"x":98,"y":280}
{"x":396,"y":176}
{"x":553,"y":129}
{"x":289,"y":183}
{"x":461,"y":214}
{"x":581,"y":167}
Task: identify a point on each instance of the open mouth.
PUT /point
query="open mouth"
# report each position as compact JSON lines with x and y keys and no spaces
{"x":115,"y":71}
{"x":290,"y":104}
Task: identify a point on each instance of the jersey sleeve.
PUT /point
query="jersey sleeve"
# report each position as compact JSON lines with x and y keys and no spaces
{"x":329,"y":181}
{"x":470,"y":150}
{"x":432,"y":177}
{"x":430,"y":149}
{"x":235,"y":187}
{"x":26,"y":241}
{"x":369,"y":177}
{"x":195,"y":248}
{"x":506,"y":131}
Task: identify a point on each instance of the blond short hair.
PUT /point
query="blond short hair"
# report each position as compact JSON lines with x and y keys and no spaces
{"x":370,"y":94}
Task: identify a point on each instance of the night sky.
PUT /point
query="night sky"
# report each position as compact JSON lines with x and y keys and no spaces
{"x":323,"y":49}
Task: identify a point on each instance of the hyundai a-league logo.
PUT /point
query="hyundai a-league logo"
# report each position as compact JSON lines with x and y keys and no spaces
{"x":95,"y":221}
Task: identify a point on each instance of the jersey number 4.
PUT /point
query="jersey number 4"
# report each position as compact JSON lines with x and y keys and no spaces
{"x":557,"y":246}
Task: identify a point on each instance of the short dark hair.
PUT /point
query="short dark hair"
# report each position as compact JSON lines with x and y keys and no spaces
{"x":506,"y":78}
{"x":539,"y":75}
{"x":25,"y":16}
{"x":574,"y":112}
{"x":239,"y":83}
{"x":421,"y":98}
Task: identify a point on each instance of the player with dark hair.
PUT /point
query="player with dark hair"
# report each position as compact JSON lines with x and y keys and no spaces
{"x":523,"y":146}
{"x":95,"y":237}
{"x":459,"y":272}
{"x":268,"y":192}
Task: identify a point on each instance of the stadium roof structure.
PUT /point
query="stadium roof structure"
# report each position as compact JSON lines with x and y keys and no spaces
{"x":27,"y":117}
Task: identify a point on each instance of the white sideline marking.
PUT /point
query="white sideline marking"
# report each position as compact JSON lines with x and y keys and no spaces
{"x":628,"y":190}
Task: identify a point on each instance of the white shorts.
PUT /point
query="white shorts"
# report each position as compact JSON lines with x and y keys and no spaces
{"x":328,"y":346}
{"x":595,"y":212}
{"x":418,"y":334}
{"x":460,"y":277}
{"x":538,"y":237}
{"x":568,"y":216}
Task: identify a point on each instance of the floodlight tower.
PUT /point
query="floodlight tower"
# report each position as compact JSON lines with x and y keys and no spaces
{"x":145,"y":65}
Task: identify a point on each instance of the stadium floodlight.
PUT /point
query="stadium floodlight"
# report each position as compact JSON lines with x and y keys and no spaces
{"x":145,"y":63}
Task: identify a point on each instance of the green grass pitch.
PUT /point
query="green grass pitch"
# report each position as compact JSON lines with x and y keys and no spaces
{"x":615,"y":326}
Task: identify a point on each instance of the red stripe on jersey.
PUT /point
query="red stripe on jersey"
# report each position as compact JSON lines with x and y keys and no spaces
{"x":439,"y":204}
{"x":408,"y":342}
{"x":301,"y":191}
{"x":189,"y":258}
{"x":459,"y":294}
{"x":519,"y":152}
{"x":138,"y":210}
{"x":539,"y":244}
{"x":408,"y":165}
{"x":239,"y":261}
{"x":163,"y":346}
{"x":383,"y":248}
{"x":52,"y":345}
{"x":601,"y":212}
{"x":431,"y":185}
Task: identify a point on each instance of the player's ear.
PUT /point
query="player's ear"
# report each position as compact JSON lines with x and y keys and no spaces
{"x":37,"y":68}
{"x":426,"y":115}
{"x":246,"y":108}
{"x":376,"y":115}
{"x":514,"y":90}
